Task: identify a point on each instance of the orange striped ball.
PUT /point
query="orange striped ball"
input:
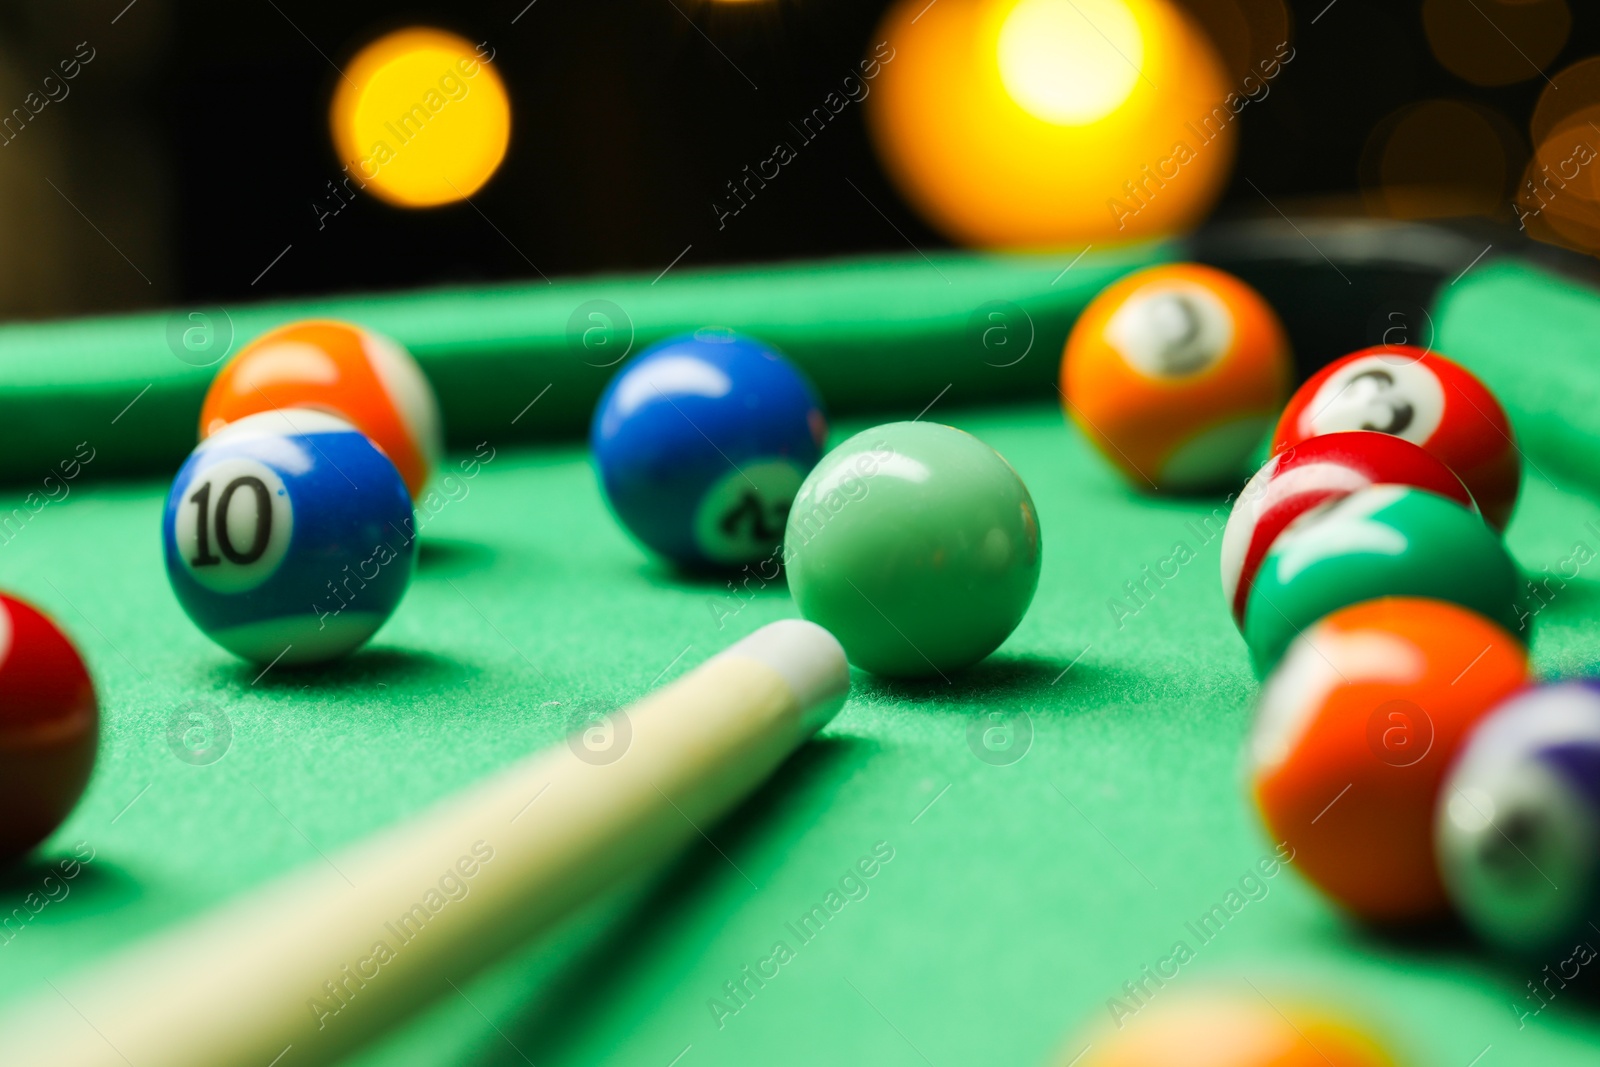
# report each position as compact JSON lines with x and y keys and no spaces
{"x":336,"y":367}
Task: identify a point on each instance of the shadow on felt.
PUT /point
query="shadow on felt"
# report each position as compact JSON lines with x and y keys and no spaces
{"x":98,"y":886}
{"x":1546,"y":596}
{"x":563,"y":1006}
{"x":1564,"y":984}
{"x":444,"y":557}
{"x":369,"y":666}
{"x":762,"y":578}
{"x":1038,"y":680}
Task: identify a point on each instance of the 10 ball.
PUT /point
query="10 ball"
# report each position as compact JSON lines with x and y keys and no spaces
{"x":289,"y":537}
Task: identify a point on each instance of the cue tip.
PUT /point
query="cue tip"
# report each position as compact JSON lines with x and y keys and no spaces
{"x":808,"y":658}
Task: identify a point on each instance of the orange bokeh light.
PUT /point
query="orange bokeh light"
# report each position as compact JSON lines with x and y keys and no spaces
{"x":1441,"y":159}
{"x":1496,"y":42}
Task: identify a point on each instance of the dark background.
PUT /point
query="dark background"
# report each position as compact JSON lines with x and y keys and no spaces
{"x":193,"y":147}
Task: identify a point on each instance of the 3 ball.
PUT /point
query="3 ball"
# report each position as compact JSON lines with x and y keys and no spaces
{"x":1423,"y":397}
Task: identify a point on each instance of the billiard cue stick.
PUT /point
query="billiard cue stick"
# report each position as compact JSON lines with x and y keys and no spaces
{"x":309,"y":967}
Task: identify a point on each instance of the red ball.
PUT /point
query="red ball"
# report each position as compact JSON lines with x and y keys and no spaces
{"x":1423,"y":397}
{"x":1302,"y":476}
{"x":49,"y":727}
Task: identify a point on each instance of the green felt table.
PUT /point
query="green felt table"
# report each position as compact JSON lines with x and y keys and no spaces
{"x":1012,"y":900}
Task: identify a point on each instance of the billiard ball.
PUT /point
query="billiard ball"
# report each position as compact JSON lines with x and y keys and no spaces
{"x":1518,"y":822}
{"x":359,"y":375}
{"x":1214,"y":1027}
{"x":1425,"y":398}
{"x":1384,"y":540}
{"x":289,"y":537}
{"x":1307,"y":474}
{"x":701,"y":442}
{"x":49,"y":727}
{"x":916,"y":545}
{"x":1353,"y":735}
{"x":1174,"y":374}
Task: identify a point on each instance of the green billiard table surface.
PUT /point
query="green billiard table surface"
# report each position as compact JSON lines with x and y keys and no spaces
{"x":1042,"y":826}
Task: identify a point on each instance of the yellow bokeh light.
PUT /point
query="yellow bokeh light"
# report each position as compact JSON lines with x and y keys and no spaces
{"x":1070,"y":62}
{"x":1005,"y":125}
{"x":421,"y":118}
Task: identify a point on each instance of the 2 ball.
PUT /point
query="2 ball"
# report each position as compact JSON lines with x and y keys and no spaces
{"x":701,"y":443}
{"x":1174,"y":374}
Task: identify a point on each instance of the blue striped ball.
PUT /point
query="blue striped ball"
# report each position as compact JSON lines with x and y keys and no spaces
{"x":289,"y":537}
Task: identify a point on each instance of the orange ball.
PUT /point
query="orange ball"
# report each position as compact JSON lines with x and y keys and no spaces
{"x":333,"y":366}
{"x":1353,"y":735}
{"x":1175,"y":374}
{"x":1213,"y":1030}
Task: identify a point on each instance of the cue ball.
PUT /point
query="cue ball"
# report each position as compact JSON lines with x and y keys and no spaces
{"x":1384,"y":540}
{"x":49,"y":727}
{"x":289,"y":534}
{"x":1302,"y":476}
{"x":1174,"y":375}
{"x":1427,"y":399}
{"x":1352,"y":738}
{"x":917,"y":546}
{"x":357,"y":374}
{"x":1519,"y":817}
{"x":701,"y":442}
